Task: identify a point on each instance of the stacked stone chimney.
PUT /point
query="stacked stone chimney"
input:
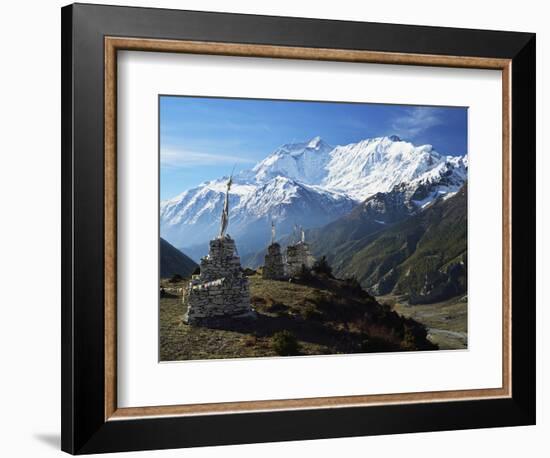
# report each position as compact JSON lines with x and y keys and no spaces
{"x":221,"y":289}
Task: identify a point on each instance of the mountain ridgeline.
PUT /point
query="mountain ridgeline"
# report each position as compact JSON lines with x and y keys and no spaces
{"x":309,"y":184}
{"x":382,"y":210}
{"x":422,"y":256}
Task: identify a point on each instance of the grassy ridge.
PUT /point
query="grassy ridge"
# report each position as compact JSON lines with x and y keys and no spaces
{"x":322,"y":314}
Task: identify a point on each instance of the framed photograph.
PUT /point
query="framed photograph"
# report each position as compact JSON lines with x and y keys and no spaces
{"x":282,"y":228}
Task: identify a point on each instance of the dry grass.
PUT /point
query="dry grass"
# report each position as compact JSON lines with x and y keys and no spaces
{"x":326,"y":317}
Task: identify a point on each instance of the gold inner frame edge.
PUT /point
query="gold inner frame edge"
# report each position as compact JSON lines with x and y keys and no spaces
{"x":114,"y":44}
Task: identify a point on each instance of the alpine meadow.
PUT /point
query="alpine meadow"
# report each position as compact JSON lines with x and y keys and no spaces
{"x":295,"y":228}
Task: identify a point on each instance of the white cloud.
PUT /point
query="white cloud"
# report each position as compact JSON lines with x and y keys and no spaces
{"x":174,"y":157}
{"x":416,"y":121}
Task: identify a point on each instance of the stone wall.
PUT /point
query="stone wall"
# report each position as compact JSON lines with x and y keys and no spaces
{"x":297,"y":256}
{"x":274,"y":267}
{"x":221,"y":290}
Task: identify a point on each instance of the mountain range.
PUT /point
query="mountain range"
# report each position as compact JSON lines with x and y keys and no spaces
{"x":377,"y":182}
{"x":422,"y":256}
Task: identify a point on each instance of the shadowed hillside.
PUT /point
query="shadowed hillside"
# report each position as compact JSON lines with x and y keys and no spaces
{"x":423,"y":256}
{"x":174,"y":262}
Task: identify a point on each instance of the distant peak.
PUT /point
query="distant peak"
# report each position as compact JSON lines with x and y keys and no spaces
{"x":315,"y":142}
{"x":384,"y":139}
{"x":294,"y":148}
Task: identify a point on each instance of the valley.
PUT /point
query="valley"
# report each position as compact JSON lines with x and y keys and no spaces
{"x":446,"y":321}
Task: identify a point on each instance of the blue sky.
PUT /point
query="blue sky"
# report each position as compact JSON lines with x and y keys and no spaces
{"x":203,"y":138}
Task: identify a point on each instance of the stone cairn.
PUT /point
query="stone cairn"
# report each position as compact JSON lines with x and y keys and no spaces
{"x":221,"y":289}
{"x":298,"y":257}
{"x":274,"y":266}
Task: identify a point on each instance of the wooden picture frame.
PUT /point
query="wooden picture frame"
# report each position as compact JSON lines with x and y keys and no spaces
{"x":91,"y":419}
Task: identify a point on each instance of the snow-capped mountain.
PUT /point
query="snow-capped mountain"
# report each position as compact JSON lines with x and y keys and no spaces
{"x":305,"y":162}
{"x":193,"y":217}
{"x":379,"y":164}
{"x":361,"y":169}
{"x":311,"y":184}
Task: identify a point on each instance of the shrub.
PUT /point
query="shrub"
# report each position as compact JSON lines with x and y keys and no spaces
{"x":258,"y":301}
{"x":250,"y":341}
{"x":409,"y":340}
{"x":276,"y":307}
{"x":305,"y":274}
{"x":310,"y":312}
{"x":164,"y":293}
{"x":376,"y":344}
{"x":353,"y":285}
{"x":284,"y":343}
{"x":364,"y":342}
{"x":248,"y":272}
{"x":321,"y":266}
{"x":176,"y":278}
